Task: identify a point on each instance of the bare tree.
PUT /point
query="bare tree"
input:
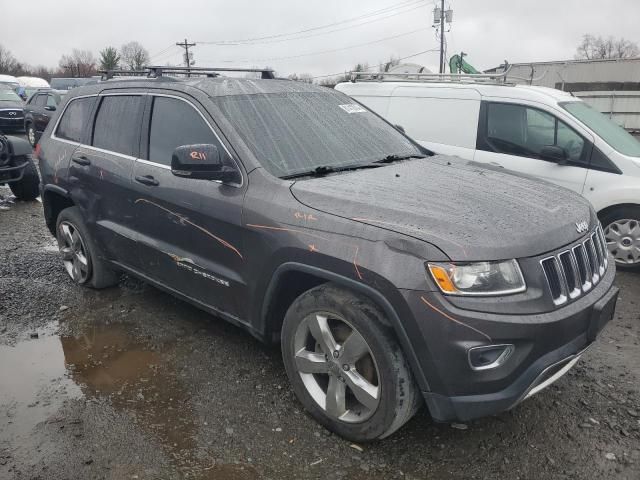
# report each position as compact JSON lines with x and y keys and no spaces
{"x":8,"y":63}
{"x":81,"y":63}
{"x":593,"y":47}
{"x":303,"y":77}
{"x":134,"y":55}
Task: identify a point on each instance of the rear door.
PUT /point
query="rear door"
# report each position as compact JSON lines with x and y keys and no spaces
{"x":50,"y":106}
{"x":189,"y":230}
{"x":103,"y":167}
{"x":512,"y":135}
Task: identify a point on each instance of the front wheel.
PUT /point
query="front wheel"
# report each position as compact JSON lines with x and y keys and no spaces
{"x":345,"y":365}
{"x":622,"y":232}
{"x":31,"y":135}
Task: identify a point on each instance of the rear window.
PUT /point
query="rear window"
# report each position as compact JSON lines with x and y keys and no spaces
{"x":75,"y":119}
{"x":117,"y":124}
{"x":291,"y":133}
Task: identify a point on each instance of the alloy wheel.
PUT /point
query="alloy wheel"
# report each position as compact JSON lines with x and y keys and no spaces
{"x":74,"y":253}
{"x":623,"y":241}
{"x":337,"y":367}
{"x":31,"y":135}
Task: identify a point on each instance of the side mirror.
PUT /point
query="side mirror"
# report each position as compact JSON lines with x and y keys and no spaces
{"x":553,"y":153}
{"x":50,"y":108}
{"x":203,"y":162}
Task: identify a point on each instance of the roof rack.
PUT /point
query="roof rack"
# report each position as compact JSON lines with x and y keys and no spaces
{"x":158,"y":71}
{"x":498,"y":78}
{"x":491,"y":78}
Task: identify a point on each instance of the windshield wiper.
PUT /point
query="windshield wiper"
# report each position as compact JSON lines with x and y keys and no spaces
{"x":396,"y":158}
{"x":326,"y":169}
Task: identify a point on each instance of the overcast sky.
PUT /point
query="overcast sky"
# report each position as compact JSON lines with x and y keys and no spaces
{"x":488,"y":30}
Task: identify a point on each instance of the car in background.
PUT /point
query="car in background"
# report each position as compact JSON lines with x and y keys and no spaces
{"x":66,"y":84}
{"x":30,"y":85}
{"x":10,"y":81}
{"x":537,"y":131}
{"x":38,"y":111}
{"x":11,"y":110}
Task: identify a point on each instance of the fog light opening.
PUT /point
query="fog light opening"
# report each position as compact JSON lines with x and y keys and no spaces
{"x":488,"y":357}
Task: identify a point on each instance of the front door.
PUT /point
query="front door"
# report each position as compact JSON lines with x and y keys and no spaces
{"x":513,"y":135}
{"x":189,"y":229}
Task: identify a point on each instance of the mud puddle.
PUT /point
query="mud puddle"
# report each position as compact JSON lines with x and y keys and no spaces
{"x":37,"y":375}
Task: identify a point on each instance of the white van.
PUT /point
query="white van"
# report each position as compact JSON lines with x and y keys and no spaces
{"x":534,"y":130}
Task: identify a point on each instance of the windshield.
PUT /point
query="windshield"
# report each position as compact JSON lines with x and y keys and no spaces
{"x":291,"y":133}
{"x":6,"y":94}
{"x":612,"y":133}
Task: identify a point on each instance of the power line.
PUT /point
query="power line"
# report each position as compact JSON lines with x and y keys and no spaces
{"x":322,"y":52}
{"x":163,"y":51}
{"x":399,"y":59}
{"x":320,"y":27}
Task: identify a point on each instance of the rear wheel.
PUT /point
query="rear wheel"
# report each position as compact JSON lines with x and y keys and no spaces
{"x":622,"y":232}
{"x":28,"y":188}
{"x":345,"y":366}
{"x":79,"y":253}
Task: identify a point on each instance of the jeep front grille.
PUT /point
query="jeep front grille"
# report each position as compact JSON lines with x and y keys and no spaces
{"x":573,"y":272}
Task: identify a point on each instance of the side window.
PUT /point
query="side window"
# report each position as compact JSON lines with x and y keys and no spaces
{"x":75,"y":119}
{"x":175,"y":123}
{"x":524,"y":131}
{"x":40,"y":100}
{"x":51,"y":101}
{"x":117,"y":124}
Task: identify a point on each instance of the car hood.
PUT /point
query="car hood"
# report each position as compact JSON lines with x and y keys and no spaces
{"x":11,"y":104}
{"x":469,"y":212}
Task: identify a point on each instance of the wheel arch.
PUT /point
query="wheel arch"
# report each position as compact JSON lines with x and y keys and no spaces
{"x":611,"y":208}
{"x":275,"y":305}
{"x":54,"y":200}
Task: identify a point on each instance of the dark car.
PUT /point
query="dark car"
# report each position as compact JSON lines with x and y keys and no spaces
{"x":11,"y":110}
{"x":38,"y":111}
{"x":387,"y":274}
{"x":17,"y":168}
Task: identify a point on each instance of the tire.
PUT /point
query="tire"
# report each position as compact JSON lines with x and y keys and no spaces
{"x":28,"y":188}
{"x":79,"y":252}
{"x":350,"y":319}
{"x":622,"y":231}
{"x":31,"y":134}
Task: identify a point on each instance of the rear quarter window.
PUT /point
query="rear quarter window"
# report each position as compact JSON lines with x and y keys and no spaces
{"x":75,"y":119}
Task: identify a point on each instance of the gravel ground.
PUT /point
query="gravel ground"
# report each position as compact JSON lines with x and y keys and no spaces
{"x":131,"y":383}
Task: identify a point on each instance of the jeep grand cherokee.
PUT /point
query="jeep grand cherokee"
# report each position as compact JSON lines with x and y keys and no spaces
{"x":389,"y":275}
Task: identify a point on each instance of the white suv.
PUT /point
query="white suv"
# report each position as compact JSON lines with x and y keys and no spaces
{"x":533,"y":130}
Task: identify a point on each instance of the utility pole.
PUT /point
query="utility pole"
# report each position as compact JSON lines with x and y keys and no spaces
{"x":441,"y":37}
{"x":187,"y":58}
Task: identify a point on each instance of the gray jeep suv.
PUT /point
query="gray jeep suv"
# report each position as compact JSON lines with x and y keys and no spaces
{"x":389,"y":275}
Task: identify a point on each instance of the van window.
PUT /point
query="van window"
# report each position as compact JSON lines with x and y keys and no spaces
{"x":525,"y":131}
{"x":74,"y":119}
{"x":175,"y":123}
{"x":616,"y":136}
{"x":117,"y":124}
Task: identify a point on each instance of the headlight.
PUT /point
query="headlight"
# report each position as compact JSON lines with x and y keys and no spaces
{"x":480,"y":278}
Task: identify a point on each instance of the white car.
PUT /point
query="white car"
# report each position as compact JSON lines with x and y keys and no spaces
{"x":533,"y":130}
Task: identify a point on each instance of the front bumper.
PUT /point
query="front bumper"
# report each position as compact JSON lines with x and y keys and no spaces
{"x":546,"y":345}
{"x":12,"y":173}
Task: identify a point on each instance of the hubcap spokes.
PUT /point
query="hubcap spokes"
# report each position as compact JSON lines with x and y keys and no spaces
{"x":32,"y":136}
{"x":623,"y":241}
{"x":330,"y":355}
{"x":73,"y":253}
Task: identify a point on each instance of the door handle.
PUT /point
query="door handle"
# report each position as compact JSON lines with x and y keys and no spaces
{"x":81,"y":160}
{"x":147,"y":180}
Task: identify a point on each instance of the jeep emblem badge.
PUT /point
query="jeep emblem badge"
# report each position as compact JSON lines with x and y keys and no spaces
{"x":582,"y":227}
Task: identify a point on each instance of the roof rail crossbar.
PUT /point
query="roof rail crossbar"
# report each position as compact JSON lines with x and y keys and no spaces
{"x":109,"y":74}
{"x":158,"y":71}
{"x":500,"y":78}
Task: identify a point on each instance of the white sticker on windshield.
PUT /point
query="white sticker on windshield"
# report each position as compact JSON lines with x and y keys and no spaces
{"x":352,"y":108}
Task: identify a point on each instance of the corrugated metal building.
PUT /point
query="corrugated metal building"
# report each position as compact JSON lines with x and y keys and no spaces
{"x":611,"y":86}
